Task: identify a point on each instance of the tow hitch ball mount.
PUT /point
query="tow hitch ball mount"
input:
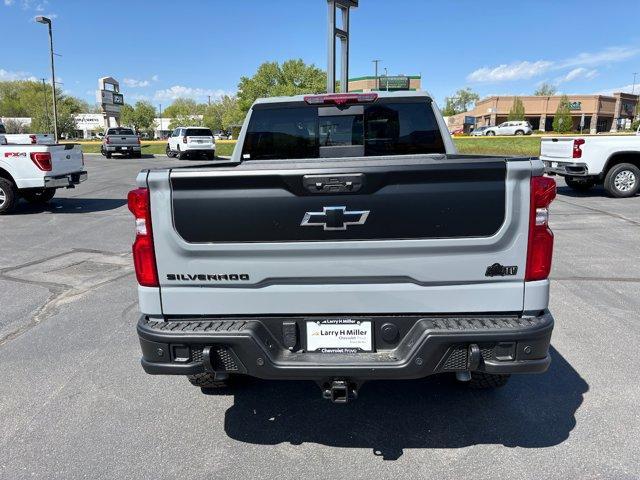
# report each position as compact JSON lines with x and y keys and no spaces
{"x":339,"y":391}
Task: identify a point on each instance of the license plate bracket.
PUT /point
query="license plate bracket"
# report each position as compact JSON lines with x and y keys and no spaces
{"x":339,"y":335}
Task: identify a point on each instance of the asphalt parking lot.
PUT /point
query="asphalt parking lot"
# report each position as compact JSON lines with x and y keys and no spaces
{"x":74,"y":402}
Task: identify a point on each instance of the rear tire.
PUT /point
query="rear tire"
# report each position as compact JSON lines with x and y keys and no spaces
{"x":211,"y":156}
{"x":168,"y":152}
{"x":622,"y":180}
{"x":482,"y":381}
{"x":207,"y":381}
{"x":579,"y":185}
{"x":8,"y":196}
{"x":490,"y":134}
{"x":39,"y":196}
{"x":181,"y":155}
{"x":519,"y":132}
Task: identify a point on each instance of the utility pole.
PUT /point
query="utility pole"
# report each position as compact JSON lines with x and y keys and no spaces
{"x":343,"y":34}
{"x":633,"y":88}
{"x":47,"y":21}
{"x":209,"y":99}
{"x":46,"y":107}
{"x":375,"y":62}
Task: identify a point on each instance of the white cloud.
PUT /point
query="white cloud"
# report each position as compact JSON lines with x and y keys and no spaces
{"x":576,"y":74}
{"x":626,"y":89}
{"x":180,"y":91}
{"x":513,"y":71}
{"x":6,"y":75}
{"x":528,"y":69}
{"x":608,"y":55}
{"x":134,"y":83}
{"x":8,"y":3}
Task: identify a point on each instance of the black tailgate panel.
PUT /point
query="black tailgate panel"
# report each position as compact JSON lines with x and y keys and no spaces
{"x":442,"y":200}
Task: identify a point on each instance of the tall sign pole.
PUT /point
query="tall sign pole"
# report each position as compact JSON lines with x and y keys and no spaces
{"x":343,"y":34}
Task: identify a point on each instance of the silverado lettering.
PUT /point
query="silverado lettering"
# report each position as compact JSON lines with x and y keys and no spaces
{"x":217,"y":277}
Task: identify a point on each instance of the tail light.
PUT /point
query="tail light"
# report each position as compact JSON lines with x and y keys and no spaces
{"x":341,"y":98}
{"x":577,"y":151}
{"x":34,"y":139}
{"x":540,"y":249}
{"x":106,"y":140}
{"x":42,"y":160}
{"x":138,"y":140}
{"x":184,"y":139}
{"x":144,"y":258}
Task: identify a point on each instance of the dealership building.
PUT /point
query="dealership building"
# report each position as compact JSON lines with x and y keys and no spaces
{"x":373,"y":83}
{"x":596,"y":113}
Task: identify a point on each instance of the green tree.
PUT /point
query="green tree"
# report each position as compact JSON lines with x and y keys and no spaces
{"x":517,"y":110}
{"x":562,"y":121}
{"x":140,"y":116}
{"x":462,"y":101}
{"x":272,"y":79}
{"x":223,"y":113}
{"x":545,"y":90}
{"x":185,"y":112}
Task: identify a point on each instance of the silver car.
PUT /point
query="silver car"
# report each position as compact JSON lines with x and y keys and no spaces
{"x":480,"y":131}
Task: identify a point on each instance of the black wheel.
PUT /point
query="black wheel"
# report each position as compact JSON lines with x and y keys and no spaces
{"x":490,"y":134}
{"x":8,"y":195}
{"x":211,"y":155}
{"x":207,"y":380}
{"x":519,"y":132}
{"x":136,"y":155}
{"x":107,"y":154}
{"x":622,"y":180}
{"x":40,"y":195}
{"x":579,"y":184}
{"x":181,"y":155}
{"x":168,"y":151}
{"x":481,"y":380}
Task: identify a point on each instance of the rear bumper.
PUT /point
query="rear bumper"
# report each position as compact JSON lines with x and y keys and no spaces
{"x":122,"y":148}
{"x":198,"y":148}
{"x":565,"y":168}
{"x":507,"y":344}
{"x":62,"y":181}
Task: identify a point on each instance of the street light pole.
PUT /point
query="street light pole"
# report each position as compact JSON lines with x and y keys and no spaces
{"x":633,"y":88}
{"x":375,"y":62}
{"x":47,"y":21}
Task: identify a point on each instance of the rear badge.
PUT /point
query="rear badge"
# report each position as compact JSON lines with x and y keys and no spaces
{"x":497,"y":270}
{"x":334,"y":218}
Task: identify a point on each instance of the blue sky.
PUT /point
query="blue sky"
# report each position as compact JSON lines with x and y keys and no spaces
{"x":161,"y":50}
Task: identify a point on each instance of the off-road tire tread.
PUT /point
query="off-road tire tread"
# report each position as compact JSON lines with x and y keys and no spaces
{"x":206,"y":380}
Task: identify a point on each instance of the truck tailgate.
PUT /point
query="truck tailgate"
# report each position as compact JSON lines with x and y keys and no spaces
{"x":342,"y":237}
{"x":65,"y":159}
{"x":557,"y":148}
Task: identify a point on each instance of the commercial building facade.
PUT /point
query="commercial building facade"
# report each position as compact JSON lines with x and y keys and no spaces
{"x":373,"y":83}
{"x":596,"y":113}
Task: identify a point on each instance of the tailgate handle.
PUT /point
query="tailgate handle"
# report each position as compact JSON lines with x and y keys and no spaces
{"x":350,"y":183}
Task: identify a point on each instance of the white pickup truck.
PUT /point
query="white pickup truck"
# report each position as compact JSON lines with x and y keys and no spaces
{"x":25,"y":138}
{"x":611,"y":160}
{"x":34,"y":172}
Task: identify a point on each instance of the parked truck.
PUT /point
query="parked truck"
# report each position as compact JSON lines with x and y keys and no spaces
{"x":345,"y":241}
{"x":25,"y":138}
{"x":121,"y":140}
{"x":35,"y":172}
{"x":609,"y":160}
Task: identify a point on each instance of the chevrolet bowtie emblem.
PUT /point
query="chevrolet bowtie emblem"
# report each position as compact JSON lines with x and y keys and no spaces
{"x":334,"y":218}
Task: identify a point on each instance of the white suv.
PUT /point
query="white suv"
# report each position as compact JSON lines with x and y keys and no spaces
{"x":187,"y":141}
{"x":519,"y":127}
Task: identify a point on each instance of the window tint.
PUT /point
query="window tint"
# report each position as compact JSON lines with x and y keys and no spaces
{"x":2,"y":129}
{"x":120,"y":131}
{"x":385,"y":128}
{"x":198,"y":132}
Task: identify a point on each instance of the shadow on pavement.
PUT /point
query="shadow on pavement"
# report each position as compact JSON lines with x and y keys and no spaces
{"x":390,"y":416}
{"x":597,"y":191}
{"x":70,"y":205}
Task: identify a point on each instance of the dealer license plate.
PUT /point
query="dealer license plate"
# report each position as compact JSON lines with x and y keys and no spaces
{"x":339,"y":335}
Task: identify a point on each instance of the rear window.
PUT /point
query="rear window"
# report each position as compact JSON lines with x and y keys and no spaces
{"x":386,"y":127}
{"x":2,"y":129}
{"x":198,"y":132}
{"x":120,"y":131}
